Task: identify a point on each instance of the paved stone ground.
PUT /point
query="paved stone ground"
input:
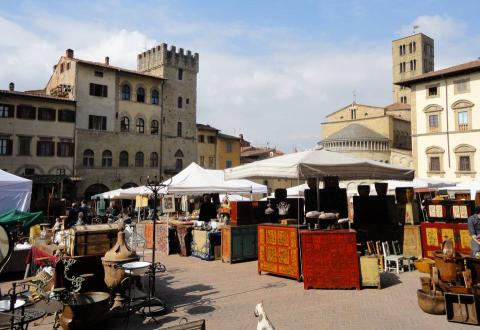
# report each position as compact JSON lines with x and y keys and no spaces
{"x":225,"y":296}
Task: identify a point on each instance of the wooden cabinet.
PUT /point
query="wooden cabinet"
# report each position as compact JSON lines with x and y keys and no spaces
{"x":412,"y":242}
{"x":91,"y":239}
{"x":370,"y":267}
{"x":239,"y":243}
{"x":203,"y":244}
{"x":330,"y":259}
{"x":449,"y":210}
{"x":278,"y":250}
{"x":433,"y":235}
{"x":247,"y":213}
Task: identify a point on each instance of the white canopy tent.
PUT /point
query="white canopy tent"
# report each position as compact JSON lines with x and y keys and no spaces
{"x":112,"y":194}
{"x":15,"y":192}
{"x":469,"y":186}
{"x":318,"y":163}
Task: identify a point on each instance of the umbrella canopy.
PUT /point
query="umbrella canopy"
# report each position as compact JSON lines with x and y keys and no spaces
{"x":28,"y":219}
{"x":15,"y":192}
{"x":318,"y":163}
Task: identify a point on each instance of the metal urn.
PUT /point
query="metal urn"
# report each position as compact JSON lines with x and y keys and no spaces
{"x":119,"y":254}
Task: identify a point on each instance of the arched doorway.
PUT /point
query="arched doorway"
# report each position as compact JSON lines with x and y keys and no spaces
{"x":94,"y":189}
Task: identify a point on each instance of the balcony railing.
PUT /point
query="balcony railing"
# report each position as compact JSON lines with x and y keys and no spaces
{"x":463,"y":127}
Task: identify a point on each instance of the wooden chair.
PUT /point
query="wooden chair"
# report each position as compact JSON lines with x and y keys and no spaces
{"x":407,"y":260}
{"x":370,"y":248}
{"x":389,"y":259}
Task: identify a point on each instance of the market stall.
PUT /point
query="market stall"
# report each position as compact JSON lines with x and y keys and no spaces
{"x":15,"y":192}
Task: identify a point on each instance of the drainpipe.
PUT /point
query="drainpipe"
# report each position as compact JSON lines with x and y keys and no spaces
{"x":447,"y":111}
{"x":161,"y":133}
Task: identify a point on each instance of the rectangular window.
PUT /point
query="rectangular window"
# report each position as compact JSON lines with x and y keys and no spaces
{"x":211,"y":139}
{"x":435,"y":164}
{"x":26,"y":112}
{"x":229,"y":147}
{"x":5,"y":146}
{"x":65,"y":149}
{"x":202,"y":161}
{"x":211,"y":162}
{"x":66,"y":116}
{"x":24,"y":143}
{"x":433,"y":121}
{"x":179,"y":129}
{"x":98,"y":90}
{"x":98,"y":123}
{"x":179,"y":102}
{"x":99,"y":74}
{"x":461,"y":86}
{"x":433,"y":91}
{"x":187,"y":100}
{"x":464,"y":163}
{"x":68,"y":65}
{"x":228,"y":163}
{"x":201,"y":138}
{"x":47,"y":114}
{"x":6,"y":110}
{"x":462,"y":118}
{"x":180,"y":74}
{"x":45,"y":148}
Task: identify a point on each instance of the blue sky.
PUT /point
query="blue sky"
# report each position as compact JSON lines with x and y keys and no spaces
{"x":271,"y":70}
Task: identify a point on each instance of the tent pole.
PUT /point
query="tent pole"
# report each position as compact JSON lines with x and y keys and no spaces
{"x":317,"y":194}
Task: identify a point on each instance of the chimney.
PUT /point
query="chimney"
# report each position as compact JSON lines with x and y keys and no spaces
{"x":107,"y":60}
{"x":69,"y":53}
{"x":11,"y":87}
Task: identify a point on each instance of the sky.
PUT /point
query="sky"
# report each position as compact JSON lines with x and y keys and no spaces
{"x":271,"y":70}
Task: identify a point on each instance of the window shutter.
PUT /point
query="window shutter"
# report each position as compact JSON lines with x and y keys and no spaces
{"x":90,"y":122}
{"x":92,"y":89}
{"x":11,"y":110}
{"x":70,"y":149}
{"x":52,"y":148}
{"x":38,"y":148}
{"x":9,"y":147}
{"x":58,"y":148}
{"x":104,"y":91}
{"x":104,"y":123}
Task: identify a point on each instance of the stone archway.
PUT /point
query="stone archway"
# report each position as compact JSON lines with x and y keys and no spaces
{"x":94,"y":189}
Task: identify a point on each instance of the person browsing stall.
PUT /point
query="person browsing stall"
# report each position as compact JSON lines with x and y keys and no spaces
{"x":207,"y":209}
{"x":474,"y":230}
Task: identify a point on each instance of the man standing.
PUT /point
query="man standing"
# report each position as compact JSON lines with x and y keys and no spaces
{"x":474,"y":230}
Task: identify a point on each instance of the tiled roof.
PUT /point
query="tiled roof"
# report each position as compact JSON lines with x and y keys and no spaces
{"x":35,"y":95}
{"x":206,"y":127}
{"x":447,"y":72}
{"x":355,"y":132}
{"x":116,"y":68}
{"x":253,"y":151}
{"x":228,"y":137}
{"x":397,"y":106}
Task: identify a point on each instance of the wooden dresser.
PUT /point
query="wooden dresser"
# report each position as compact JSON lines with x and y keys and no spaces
{"x":239,"y":243}
{"x":434,"y":233}
{"x":330,"y":259}
{"x":278,"y":250}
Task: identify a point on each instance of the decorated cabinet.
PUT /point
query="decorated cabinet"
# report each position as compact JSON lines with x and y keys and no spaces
{"x":433,"y":235}
{"x":239,"y":243}
{"x":278,"y":250}
{"x":330,"y":259}
{"x":412,"y":241}
{"x":203,"y":244}
{"x":370,"y":268}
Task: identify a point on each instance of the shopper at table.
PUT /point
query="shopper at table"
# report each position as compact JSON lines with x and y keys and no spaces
{"x":474,"y":230}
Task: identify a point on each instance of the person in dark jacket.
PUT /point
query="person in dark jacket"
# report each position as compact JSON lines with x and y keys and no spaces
{"x":207,"y":209}
{"x":474,"y":230}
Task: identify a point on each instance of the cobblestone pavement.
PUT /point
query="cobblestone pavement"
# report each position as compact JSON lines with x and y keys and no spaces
{"x":225,"y":296}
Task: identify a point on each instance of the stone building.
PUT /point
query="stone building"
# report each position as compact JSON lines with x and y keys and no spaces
{"x":121,"y":115}
{"x":446,"y":122}
{"x":411,"y":56}
{"x":217,"y":150}
{"x":37,"y":139}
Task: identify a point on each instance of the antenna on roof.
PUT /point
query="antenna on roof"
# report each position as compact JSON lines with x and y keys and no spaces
{"x":415,"y":28}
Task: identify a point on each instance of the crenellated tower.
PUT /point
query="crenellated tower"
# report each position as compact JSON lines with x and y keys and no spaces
{"x":179,"y":102}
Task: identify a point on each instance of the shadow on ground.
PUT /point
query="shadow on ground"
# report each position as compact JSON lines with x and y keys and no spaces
{"x":389,"y":279}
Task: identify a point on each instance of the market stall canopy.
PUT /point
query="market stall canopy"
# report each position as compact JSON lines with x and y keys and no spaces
{"x":15,"y":192}
{"x":131,"y":193}
{"x":13,"y":217}
{"x":318,"y":163}
{"x":112,"y":194}
{"x":418,"y":183}
{"x":470,"y":186}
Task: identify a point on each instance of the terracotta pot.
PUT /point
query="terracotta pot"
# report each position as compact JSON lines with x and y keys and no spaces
{"x":433,"y":303}
{"x":88,"y":310}
{"x":381,"y":188}
{"x":363,"y":190}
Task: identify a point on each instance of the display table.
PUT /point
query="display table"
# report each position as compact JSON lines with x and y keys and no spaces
{"x":329,"y":259}
{"x":434,"y":233}
{"x":204,"y":242}
{"x":239,"y":243}
{"x":278,"y":250}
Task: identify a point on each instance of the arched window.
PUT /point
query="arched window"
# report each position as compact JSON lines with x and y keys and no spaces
{"x":106,"y":158}
{"x":126,"y":92}
{"x":140,"y":94}
{"x":88,"y":158}
{"x":139,"y":159}
{"x":179,"y":164}
{"x":179,"y":153}
{"x":153,"y":159}
{"x":124,"y":124}
{"x":123,"y":160}
{"x":155,"y":97}
{"x":154,"y":127}
{"x":140,"y":125}
{"x":179,"y":129}
{"x":179,"y":102}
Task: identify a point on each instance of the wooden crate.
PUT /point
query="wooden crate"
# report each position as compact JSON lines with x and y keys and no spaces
{"x":92,"y":239}
{"x":329,"y":259}
{"x":412,"y":241}
{"x":370,"y":267}
{"x":239,"y":243}
{"x":278,"y":250}
{"x":433,"y":235}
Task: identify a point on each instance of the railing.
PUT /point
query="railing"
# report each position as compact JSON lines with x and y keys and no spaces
{"x":463,"y":127}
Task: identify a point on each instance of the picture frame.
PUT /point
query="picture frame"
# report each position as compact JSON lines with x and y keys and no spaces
{"x":168,"y":203}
